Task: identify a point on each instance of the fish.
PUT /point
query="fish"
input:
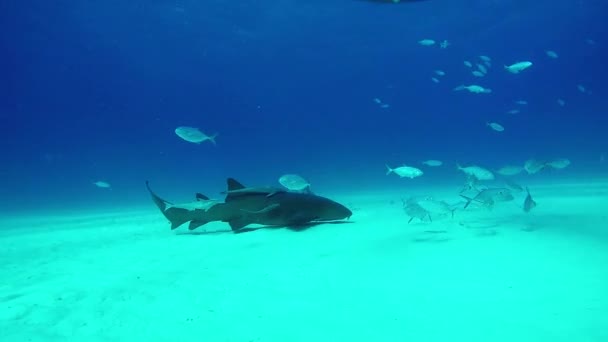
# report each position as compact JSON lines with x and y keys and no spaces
{"x":102,"y":184}
{"x":477,"y":73}
{"x":485,"y":58}
{"x":510,"y":170}
{"x":533,"y":166}
{"x":479,"y":172}
{"x":482,"y":68}
{"x":518,"y":67}
{"x":488,"y":197}
{"x":444,"y":44}
{"x":470,"y":184}
{"x":495,"y":126}
{"x":202,"y":203}
{"x":440,"y":72}
{"x":513,"y":111}
{"x":414,"y":210}
{"x":294,"y":182}
{"x":529,"y":203}
{"x":559,"y":163}
{"x":468,"y":64}
{"x":426,"y":42}
{"x":194,"y":135}
{"x":474,"y":88}
{"x":244,"y":206}
{"x":436,"y":207}
{"x":521,"y":102}
{"x":512,"y":185}
{"x":432,"y":162}
{"x":434,"y":79}
{"x":551,"y":54}
{"x":561,"y":102}
{"x":581,"y":88}
{"x":405,"y":171}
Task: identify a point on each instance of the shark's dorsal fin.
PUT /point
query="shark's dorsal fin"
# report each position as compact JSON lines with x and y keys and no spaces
{"x":233,"y":184}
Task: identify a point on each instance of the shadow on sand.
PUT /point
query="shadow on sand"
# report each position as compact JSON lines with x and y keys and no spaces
{"x":294,"y":228}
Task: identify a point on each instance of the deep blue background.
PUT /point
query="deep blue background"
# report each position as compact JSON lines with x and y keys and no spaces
{"x":94,"y":89}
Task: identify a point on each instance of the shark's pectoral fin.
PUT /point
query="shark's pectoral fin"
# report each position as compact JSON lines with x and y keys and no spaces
{"x":238,"y":224}
{"x":195,"y":224}
{"x":263,"y":210}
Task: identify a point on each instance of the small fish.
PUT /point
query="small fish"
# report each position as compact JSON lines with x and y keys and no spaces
{"x":479,"y":172}
{"x":414,"y":210}
{"x":590,"y":41}
{"x":495,"y":126}
{"x":440,"y":72}
{"x":513,"y":111}
{"x":426,"y":42}
{"x":444,"y":44}
{"x":560,"y":163}
{"x":485,"y":58}
{"x":529,"y":203}
{"x":202,"y":203}
{"x":377,"y":100}
{"x":510,"y":170}
{"x":436,"y":207}
{"x":468,"y":64}
{"x":470,"y":184}
{"x":385,"y":105}
{"x":476,"y":89}
{"x":477,"y":73}
{"x":513,"y":186}
{"x":551,"y":54}
{"x":294,"y":182}
{"x":434,"y":79}
{"x":432,"y":162}
{"x":194,"y":135}
{"x":488,"y":64}
{"x":102,"y":184}
{"x":533,"y":166}
{"x":405,"y":171}
{"x":482,"y":68}
{"x":581,"y":88}
{"x":521,"y":102}
{"x":516,"y":68}
{"x":488,"y":197}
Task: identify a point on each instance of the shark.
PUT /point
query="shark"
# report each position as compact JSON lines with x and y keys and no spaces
{"x":244,"y":206}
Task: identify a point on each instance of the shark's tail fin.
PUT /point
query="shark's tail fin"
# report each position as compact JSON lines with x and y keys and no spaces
{"x":176,"y":216}
{"x":160,"y":203}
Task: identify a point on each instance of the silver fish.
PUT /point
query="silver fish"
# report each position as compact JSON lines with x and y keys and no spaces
{"x":488,"y":197}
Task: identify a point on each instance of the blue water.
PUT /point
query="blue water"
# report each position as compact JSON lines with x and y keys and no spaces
{"x":93,"y":90}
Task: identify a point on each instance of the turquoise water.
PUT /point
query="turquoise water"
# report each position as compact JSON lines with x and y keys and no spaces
{"x":333,"y":91}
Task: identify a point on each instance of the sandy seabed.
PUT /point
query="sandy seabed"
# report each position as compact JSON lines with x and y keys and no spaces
{"x":484,"y":275}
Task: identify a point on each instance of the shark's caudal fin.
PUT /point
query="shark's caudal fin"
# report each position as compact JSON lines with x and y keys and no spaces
{"x":177,"y":216}
{"x":160,"y":203}
{"x":389,"y":170}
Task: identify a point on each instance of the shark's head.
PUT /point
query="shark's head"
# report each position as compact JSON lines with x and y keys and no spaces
{"x":331,"y":211}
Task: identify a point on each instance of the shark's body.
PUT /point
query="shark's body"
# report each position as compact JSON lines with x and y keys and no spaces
{"x":265,"y":206}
